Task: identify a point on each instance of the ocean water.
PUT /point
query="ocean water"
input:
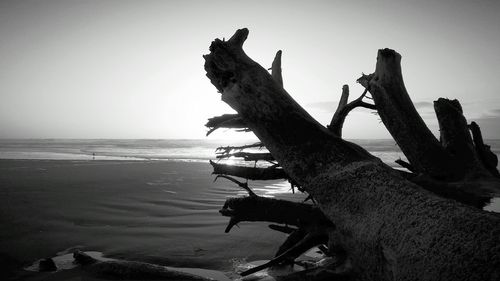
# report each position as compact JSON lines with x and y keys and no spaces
{"x":164,"y":150}
{"x":161,"y":149}
{"x":107,"y":149}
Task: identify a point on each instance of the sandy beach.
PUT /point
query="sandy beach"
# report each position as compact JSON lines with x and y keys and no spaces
{"x":162,"y":212}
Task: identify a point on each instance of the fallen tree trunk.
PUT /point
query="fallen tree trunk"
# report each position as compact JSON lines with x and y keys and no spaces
{"x":390,"y":228}
{"x":127,"y":270}
{"x":312,"y":225}
{"x":256,"y":208}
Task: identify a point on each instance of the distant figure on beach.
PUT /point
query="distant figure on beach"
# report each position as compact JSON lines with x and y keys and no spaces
{"x":93,"y":155}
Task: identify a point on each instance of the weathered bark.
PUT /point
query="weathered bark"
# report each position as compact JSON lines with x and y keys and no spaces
{"x":250,"y":173}
{"x":474,"y":193}
{"x":402,"y":120}
{"x":390,"y":228}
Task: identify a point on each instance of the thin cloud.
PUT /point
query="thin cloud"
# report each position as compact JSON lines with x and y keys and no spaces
{"x":326,"y":107}
{"x":491,"y":114}
{"x":423,"y":104}
{"x":323,"y":107}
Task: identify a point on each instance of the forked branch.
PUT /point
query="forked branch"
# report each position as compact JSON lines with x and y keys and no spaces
{"x":344,"y":108}
{"x":243,"y":185}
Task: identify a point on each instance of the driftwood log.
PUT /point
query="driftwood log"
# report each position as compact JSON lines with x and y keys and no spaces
{"x":131,"y":270}
{"x":389,"y":225}
{"x":269,"y":173}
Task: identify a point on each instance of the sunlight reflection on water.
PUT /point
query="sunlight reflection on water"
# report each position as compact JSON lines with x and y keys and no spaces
{"x":267,"y":190}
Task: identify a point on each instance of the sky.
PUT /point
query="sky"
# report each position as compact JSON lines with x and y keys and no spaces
{"x":134,"y":69}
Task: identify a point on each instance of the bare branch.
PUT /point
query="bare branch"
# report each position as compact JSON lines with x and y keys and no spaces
{"x":230,"y":121}
{"x":276,"y":69}
{"x":228,"y":149}
{"x":405,"y":164}
{"x":309,"y":240}
{"x":243,"y":185}
{"x":344,"y":108}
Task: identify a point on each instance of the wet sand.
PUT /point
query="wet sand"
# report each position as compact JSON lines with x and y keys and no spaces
{"x":153,"y":211}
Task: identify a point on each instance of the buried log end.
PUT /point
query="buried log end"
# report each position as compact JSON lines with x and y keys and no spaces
{"x":82,"y":258}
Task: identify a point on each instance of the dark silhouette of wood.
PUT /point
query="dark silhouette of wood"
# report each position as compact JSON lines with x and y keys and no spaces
{"x":248,"y":172}
{"x":311,"y":222}
{"x":243,"y":185}
{"x":257,"y":208}
{"x":228,"y":149}
{"x":285,"y":229}
{"x":456,"y":138}
{"x":308,"y":241}
{"x":390,"y":228}
{"x":397,"y":112}
{"x":344,"y":108}
{"x":405,"y":164}
{"x":276,"y":69}
{"x":488,"y":158}
{"x":231,"y":121}
{"x":247,"y":156}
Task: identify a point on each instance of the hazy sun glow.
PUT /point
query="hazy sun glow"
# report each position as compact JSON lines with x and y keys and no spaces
{"x":134,"y":69}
